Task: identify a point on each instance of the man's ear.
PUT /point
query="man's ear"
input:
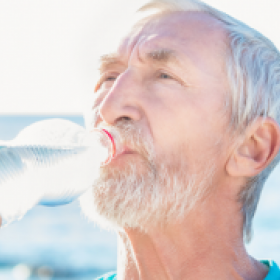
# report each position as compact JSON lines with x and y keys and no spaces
{"x":260,"y":145}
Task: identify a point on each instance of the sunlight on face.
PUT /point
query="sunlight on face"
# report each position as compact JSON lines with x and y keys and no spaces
{"x":145,"y":191}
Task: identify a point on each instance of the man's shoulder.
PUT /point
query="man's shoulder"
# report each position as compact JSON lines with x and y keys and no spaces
{"x":274,"y":271}
{"x":108,"y":276}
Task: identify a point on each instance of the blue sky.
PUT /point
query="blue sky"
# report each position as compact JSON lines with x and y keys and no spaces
{"x":49,"y":47}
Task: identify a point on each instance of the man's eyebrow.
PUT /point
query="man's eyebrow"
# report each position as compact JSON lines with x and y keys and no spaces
{"x":159,"y":56}
{"x":162,"y":56}
{"x":108,"y":60}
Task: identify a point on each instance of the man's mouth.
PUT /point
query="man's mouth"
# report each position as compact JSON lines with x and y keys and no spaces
{"x":126,"y":151}
{"x":119,"y":145}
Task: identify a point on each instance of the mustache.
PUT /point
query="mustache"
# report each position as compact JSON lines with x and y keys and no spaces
{"x":133,"y":138}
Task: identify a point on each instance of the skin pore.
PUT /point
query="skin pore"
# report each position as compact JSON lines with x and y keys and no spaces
{"x":169,"y":79}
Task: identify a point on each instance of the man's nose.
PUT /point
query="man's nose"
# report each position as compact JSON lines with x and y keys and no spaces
{"x":121,"y":101}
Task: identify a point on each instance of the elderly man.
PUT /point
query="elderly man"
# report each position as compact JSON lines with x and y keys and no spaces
{"x":195,"y":97}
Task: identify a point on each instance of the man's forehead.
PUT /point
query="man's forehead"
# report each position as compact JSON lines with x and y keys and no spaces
{"x":194,"y":36}
{"x":181,"y":26}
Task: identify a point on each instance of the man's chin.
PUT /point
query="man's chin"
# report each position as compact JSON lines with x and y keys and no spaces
{"x":122,"y":192}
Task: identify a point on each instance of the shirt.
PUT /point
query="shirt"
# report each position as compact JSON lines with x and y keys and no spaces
{"x":274,"y":271}
{"x":108,"y":276}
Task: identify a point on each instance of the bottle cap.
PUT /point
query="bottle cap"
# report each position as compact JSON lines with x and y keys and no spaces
{"x":113,"y":147}
{"x":108,"y":140}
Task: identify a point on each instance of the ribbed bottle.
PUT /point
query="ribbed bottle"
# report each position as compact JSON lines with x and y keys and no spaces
{"x":51,"y":163}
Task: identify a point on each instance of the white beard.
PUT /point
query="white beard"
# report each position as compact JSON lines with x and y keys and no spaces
{"x":144,"y":194}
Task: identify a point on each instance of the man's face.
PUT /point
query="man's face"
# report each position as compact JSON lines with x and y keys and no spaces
{"x":164,"y":90}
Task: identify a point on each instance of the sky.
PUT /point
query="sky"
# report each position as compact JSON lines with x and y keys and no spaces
{"x":49,"y":48}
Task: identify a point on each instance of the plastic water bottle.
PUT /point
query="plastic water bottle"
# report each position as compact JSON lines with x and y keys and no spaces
{"x":51,"y":163}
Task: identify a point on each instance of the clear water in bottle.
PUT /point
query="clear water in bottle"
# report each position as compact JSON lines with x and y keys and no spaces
{"x":50,"y":163}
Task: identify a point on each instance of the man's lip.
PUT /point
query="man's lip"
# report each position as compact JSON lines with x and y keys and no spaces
{"x":122,"y":153}
{"x":128,"y":152}
{"x":125,"y":151}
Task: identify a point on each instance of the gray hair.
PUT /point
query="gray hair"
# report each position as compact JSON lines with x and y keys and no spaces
{"x":253,"y":69}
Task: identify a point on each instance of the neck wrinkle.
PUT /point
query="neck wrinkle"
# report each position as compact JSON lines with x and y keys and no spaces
{"x":126,"y":259}
{"x":133,"y":251}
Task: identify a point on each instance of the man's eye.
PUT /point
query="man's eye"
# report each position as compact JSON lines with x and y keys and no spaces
{"x":105,"y":81}
{"x":169,"y":79}
{"x":165,"y":76}
{"x":109,"y":79}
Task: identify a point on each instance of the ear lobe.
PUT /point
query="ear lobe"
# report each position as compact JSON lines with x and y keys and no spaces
{"x":260,"y":145}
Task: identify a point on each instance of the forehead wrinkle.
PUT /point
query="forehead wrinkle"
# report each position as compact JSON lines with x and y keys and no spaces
{"x":156,"y":56}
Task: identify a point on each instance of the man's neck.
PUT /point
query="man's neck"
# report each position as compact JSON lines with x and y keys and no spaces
{"x":201,"y":248}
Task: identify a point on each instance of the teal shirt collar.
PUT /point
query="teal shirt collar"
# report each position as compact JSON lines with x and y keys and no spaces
{"x":274,"y":271}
